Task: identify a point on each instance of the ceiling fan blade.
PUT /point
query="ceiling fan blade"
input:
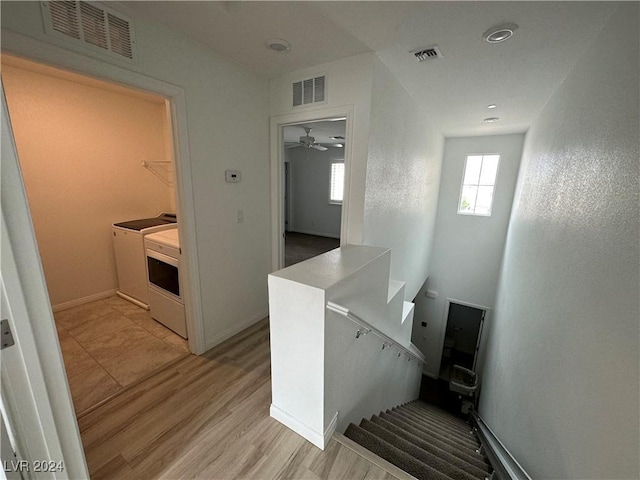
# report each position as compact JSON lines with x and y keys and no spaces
{"x":291,"y":145}
{"x":319,"y":147}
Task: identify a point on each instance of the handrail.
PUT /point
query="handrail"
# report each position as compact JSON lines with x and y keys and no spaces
{"x":368,"y":328}
{"x":505,"y":466}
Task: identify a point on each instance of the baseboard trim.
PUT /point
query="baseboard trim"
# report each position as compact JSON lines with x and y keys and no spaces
{"x":297,"y":426}
{"x":505,"y":466}
{"x":81,"y":301}
{"x":230,"y":332}
{"x":330,"y":430}
{"x":317,"y":234}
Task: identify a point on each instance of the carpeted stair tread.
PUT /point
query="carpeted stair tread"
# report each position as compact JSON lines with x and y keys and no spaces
{"x":454,"y":440}
{"x":466,"y":437}
{"x":471,"y":457}
{"x":436,"y":411}
{"x":455,"y":424}
{"x":463,"y":433}
{"x":393,"y":455}
{"x":477,"y":469}
{"x":418,"y":453}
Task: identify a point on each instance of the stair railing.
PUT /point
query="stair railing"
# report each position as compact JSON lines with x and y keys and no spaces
{"x":366,"y":328}
{"x":505,"y":466}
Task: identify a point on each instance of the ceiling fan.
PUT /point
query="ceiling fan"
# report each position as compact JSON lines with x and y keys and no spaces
{"x":306,"y":141}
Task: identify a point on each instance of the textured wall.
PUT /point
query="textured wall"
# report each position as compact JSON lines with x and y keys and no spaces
{"x":403,"y":177}
{"x":310,"y":175}
{"x":561,"y":378}
{"x":467,"y":250}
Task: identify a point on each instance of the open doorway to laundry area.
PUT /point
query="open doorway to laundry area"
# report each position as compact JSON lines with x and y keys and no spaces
{"x":314,"y":179}
{"x":94,"y":154}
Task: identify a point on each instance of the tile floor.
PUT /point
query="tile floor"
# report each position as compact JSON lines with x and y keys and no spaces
{"x":110,"y":344}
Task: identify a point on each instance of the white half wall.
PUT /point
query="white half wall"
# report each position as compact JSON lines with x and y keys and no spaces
{"x":403,"y":178}
{"x":323,"y":377}
{"x":467,"y":250}
{"x":561,"y":384}
{"x":310,"y":174}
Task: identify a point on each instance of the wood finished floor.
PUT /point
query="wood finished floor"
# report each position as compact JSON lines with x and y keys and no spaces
{"x":208,"y":417}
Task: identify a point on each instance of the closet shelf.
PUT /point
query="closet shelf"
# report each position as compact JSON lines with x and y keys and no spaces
{"x":163,"y":169}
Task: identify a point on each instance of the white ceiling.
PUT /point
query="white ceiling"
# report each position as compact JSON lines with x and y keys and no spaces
{"x":519,"y":75}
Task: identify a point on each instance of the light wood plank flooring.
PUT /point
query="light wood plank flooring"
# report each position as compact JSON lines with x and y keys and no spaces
{"x":208,"y":417}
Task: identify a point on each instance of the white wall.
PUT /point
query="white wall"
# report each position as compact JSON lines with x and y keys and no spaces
{"x":310,"y":172}
{"x":403,"y":178}
{"x":396,"y":158}
{"x":223,"y":103}
{"x":348,"y":83}
{"x":81,"y":149}
{"x":467,"y":250}
{"x":561,"y":378}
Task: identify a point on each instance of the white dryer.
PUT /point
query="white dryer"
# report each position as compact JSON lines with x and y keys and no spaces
{"x":128,"y":245}
{"x":166,"y":292}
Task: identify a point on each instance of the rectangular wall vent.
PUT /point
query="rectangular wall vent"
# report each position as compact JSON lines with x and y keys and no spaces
{"x":91,"y":25}
{"x":311,"y":90}
{"x":429,"y":53}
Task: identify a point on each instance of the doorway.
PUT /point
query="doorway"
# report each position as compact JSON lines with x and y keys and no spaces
{"x":313,"y":188}
{"x":464,"y":323}
{"x":82,"y":165}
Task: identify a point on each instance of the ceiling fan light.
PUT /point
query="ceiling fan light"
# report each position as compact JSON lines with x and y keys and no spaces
{"x":500,"y":33}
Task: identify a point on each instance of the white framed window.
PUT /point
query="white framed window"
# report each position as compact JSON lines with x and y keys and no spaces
{"x":478,"y":184}
{"x":336,"y":183}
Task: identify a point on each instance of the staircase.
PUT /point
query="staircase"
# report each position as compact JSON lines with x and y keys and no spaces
{"x":424,"y":441}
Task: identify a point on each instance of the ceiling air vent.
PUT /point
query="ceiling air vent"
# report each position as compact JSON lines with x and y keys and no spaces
{"x":311,"y":90}
{"x":91,"y":25}
{"x":429,"y":53}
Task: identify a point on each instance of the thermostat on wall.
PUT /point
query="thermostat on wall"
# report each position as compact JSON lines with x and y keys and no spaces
{"x":232,"y":176}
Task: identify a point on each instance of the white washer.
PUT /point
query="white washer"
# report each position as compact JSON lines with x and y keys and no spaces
{"x":131,"y":264}
{"x":166,"y":295}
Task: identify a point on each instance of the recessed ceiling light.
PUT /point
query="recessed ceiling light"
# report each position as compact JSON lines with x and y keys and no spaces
{"x":338,"y":145}
{"x":500,"y":33}
{"x":491,"y":119}
{"x":278,"y":45}
{"x":493,"y":105}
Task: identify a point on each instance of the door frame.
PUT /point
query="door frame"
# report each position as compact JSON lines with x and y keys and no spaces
{"x":276,"y":134}
{"x":445,"y":319}
{"x":51,"y":55}
{"x":52,"y":408}
{"x":34,"y":387}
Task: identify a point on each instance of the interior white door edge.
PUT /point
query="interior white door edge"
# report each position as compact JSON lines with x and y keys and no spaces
{"x":34,"y":383}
